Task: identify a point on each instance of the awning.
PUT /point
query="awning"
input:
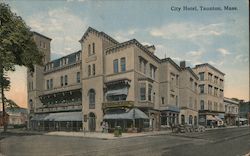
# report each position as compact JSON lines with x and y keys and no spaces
{"x":242,"y":119}
{"x":134,"y":113}
{"x":217,"y":118}
{"x":210,"y":117}
{"x":38,"y":117}
{"x":65,"y":116}
{"x":120,"y":91}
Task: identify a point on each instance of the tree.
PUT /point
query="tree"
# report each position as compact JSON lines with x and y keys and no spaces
{"x":17,"y":47}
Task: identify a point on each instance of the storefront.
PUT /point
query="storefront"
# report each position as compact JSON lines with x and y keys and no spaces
{"x":128,"y":119}
{"x":63,"y":121}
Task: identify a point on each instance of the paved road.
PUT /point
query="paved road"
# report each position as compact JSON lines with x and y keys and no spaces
{"x":230,"y":142}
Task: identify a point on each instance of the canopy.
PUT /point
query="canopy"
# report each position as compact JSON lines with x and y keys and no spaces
{"x":134,"y":113}
{"x":242,"y":119}
{"x":217,"y":118}
{"x":120,"y":91}
{"x":38,"y":117}
{"x":210,"y":117}
{"x":63,"y":116}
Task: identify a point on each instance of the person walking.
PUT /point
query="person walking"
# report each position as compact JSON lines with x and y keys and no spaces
{"x":103,"y":126}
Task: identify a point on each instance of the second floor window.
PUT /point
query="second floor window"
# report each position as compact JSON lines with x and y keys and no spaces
{"x":202,"y":105}
{"x":115,"y":66}
{"x":142,"y":91}
{"x":201,"y":89}
{"x":123,"y":64}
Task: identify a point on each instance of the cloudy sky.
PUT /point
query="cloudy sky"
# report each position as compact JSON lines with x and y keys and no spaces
{"x":220,"y":38}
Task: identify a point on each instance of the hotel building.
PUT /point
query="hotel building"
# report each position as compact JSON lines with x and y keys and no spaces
{"x":124,"y":84}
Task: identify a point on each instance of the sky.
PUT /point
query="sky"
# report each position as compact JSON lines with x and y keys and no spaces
{"x":220,"y":38}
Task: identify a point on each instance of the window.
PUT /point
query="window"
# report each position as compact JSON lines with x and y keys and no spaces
{"x":89,"y":49}
{"x":149,"y":92}
{"x":142,"y":91}
{"x":215,"y":91}
{"x":91,"y":98}
{"x":78,"y":77}
{"x":51,"y":83}
{"x":182,"y":119}
{"x":162,"y":100}
{"x":210,"y":77}
{"x":195,"y":87}
{"x":48,"y":85}
{"x":115,"y":66}
{"x":202,"y":105}
{"x":152,"y":71}
{"x":123,"y":64}
{"x":210,"y":89}
{"x":195,"y":120}
{"x":176,"y":100}
{"x":177,"y":80}
{"x":201,"y":76}
{"x":93,"y":69}
{"x":215,"y":106}
{"x":61,"y":80}
{"x":221,"y":107}
{"x":190,"y":119}
{"x":89,"y":70}
{"x":195,"y":104}
{"x":93,"y":47}
{"x":66,"y":80}
{"x":191,"y":82}
{"x":209,"y":105}
{"x":201,"y":88}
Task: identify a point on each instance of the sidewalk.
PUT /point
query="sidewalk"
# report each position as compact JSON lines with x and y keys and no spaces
{"x":208,"y":129}
{"x":107,"y":136}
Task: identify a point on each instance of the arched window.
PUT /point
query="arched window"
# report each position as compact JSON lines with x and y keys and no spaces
{"x":91,"y":95}
{"x":182,"y":119}
{"x":190,"y":119}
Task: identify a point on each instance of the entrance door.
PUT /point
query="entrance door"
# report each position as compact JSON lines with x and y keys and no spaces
{"x":92,"y":122}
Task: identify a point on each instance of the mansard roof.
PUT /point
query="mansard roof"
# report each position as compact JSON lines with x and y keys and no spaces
{"x":90,"y":29}
{"x":71,"y":57}
{"x":172,"y":62}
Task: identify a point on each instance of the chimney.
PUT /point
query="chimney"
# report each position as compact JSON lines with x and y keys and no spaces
{"x":150,"y":48}
{"x":183,"y":64}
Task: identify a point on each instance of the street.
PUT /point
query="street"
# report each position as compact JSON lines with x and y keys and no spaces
{"x":230,"y":142}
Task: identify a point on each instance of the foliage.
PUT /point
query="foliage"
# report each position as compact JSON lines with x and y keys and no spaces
{"x":17,"y":46}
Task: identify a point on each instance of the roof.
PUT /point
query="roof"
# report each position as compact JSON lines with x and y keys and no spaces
{"x":16,"y":110}
{"x":71,"y":57}
{"x":41,"y":35}
{"x":210,"y":66}
{"x":192,"y":72}
{"x":90,"y":29}
{"x":231,"y":101}
{"x":132,"y":42}
{"x":171,"y":61}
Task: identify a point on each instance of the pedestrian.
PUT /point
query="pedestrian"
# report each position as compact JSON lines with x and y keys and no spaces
{"x":103,"y":126}
{"x":106,"y":127}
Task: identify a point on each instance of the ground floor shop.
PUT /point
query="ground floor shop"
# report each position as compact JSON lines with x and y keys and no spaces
{"x":169,"y":117}
{"x":211,"y":119}
{"x":231,"y":119}
{"x":188,"y":117}
{"x":63,"y":121}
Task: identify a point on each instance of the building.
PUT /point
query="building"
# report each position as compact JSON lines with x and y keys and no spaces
{"x":54,"y":91}
{"x":17,"y":117}
{"x":211,"y":86}
{"x":231,"y":111}
{"x":124,"y":84}
{"x":189,"y":96}
{"x":244,"y":112}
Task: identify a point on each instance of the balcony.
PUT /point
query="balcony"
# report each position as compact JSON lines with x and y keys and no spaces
{"x":60,"y":107}
{"x":145,"y":104}
{"x":116,"y":104}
